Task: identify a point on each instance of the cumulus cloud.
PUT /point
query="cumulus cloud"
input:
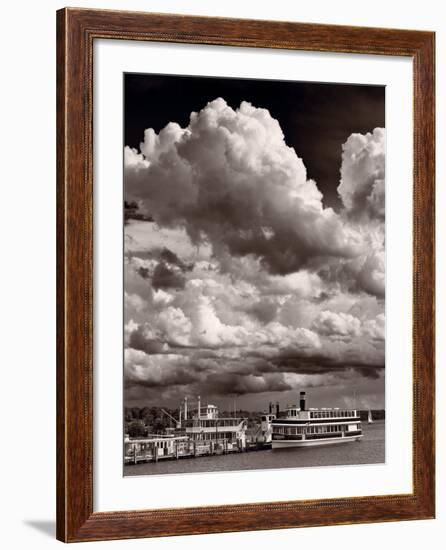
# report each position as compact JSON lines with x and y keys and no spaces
{"x":157,"y":370}
{"x":229,"y":178}
{"x":192,"y":321}
{"x":366,"y":273}
{"x":237,"y":279}
{"x":143,"y":338}
{"x":363,"y":175}
{"x":376,"y":328}
{"x":337,"y":325}
{"x":371,"y":276}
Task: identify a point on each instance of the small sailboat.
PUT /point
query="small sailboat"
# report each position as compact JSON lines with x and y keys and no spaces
{"x":370,"y":418}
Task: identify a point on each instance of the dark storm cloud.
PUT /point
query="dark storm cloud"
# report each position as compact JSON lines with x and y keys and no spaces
{"x":231,"y":383}
{"x":319,"y":363}
{"x":169,"y":271}
{"x":174,"y":375}
{"x":132,"y":212}
{"x":167,"y":276}
{"x":170,"y":257}
{"x":171,"y":378}
{"x":264,"y":310}
{"x":144,"y":272}
{"x":143,"y":339}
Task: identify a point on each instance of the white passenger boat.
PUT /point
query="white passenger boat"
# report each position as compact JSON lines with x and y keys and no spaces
{"x":302,"y":427}
{"x":210,"y":431}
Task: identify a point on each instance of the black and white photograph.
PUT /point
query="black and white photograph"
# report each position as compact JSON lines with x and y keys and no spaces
{"x":254,"y":274}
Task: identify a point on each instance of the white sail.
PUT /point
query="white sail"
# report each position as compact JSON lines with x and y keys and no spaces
{"x":370,"y":418}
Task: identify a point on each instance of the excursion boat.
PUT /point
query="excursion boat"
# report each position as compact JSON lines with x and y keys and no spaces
{"x":205,"y":433}
{"x":302,"y":427}
{"x":211,"y":432}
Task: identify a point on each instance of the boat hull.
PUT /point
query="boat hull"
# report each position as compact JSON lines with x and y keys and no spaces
{"x":287,"y":443}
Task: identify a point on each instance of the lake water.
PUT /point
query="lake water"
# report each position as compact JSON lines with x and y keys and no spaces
{"x":369,"y":450}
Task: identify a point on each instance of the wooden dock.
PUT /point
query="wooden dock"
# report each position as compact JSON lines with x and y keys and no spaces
{"x":150,"y":450}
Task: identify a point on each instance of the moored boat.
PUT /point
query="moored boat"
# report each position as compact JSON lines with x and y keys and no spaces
{"x":302,"y":427}
{"x":209,"y":430}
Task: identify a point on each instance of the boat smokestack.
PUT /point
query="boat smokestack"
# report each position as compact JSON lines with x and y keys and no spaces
{"x":302,"y":401}
{"x":185,"y":408}
{"x":199,"y":407}
{"x":270,"y":407}
{"x":277,"y":409}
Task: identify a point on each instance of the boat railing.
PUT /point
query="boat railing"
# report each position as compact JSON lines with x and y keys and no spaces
{"x":212,"y":423}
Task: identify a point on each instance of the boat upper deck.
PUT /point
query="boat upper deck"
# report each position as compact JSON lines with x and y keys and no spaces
{"x":295,"y":414}
{"x":229,"y":423}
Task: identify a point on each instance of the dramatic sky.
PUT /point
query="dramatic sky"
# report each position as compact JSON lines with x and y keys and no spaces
{"x":254,"y":242}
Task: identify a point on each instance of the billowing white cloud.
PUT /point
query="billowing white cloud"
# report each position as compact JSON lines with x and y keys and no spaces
{"x":229,"y":178}
{"x":376,"y":328}
{"x":371,"y":276}
{"x":337,"y":325}
{"x":363,"y":175}
{"x":244,"y":282}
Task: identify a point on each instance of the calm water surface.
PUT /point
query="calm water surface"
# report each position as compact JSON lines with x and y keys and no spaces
{"x":370,"y":450}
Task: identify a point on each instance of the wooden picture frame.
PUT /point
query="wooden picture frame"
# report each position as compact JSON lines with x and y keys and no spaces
{"x":76,"y":31}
